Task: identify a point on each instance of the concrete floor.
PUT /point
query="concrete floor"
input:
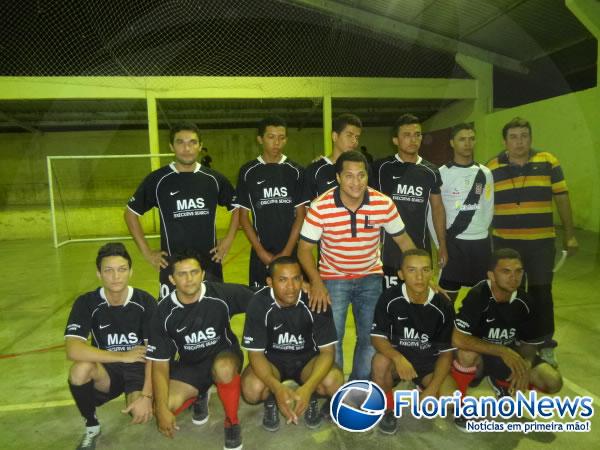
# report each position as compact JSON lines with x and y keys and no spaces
{"x":36,"y":410}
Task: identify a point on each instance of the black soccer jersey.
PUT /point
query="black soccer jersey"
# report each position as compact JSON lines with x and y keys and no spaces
{"x":409,"y":185}
{"x":418,"y":331}
{"x":320,"y":176}
{"x":187,"y":202}
{"x":293,"y":330}
{"x":272,"y":192}
{"x":499,"y":323}
{"x":113,"y":328}
{"x":200,"y":330}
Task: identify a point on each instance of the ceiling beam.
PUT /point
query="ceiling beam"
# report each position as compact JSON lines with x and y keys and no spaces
{"x":14,"y":122}
{"x":400,"y":30}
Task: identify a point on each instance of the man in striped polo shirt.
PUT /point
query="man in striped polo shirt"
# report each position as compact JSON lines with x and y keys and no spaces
{"x":525,"y":183}
{"x":347,"y":222}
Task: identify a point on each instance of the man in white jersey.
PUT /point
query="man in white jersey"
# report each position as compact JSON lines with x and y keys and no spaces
{"x":468,"y":198}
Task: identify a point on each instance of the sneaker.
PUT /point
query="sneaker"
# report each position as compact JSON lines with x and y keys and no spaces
{"x":547,"y":355}
{"x":499,"y":390}
{"x":389,"y":423}
{"x":326,"y":410}
{"x":461,"y":424}
{"x":233,"y":436}
{"x":88,"y":442}
{"x":200,"y":409}
{"x":312,"y":415}
{"x":271,"y":415}
{"x":476,"y":381}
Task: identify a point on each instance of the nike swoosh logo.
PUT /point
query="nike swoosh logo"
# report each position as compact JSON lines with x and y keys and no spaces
{"x":489,"y":320}
{"x":173,"y":193}
{"x":102,"y":327}
{"x":330,"y":182}
{"x":260,"y":182}
{"x":277,"y":327}
{"x":402,"y":318}
{"x":179,"y":330}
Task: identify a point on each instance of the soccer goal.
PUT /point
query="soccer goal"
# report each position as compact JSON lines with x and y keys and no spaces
{"x":88,"y":194}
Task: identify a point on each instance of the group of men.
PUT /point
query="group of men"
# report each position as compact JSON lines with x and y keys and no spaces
{"x":368,"y":223}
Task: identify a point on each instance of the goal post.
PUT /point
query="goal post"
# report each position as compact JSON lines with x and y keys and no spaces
{"x":73,"y":207}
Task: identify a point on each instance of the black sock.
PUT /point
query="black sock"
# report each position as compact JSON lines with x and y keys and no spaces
{"x":84,"y":399}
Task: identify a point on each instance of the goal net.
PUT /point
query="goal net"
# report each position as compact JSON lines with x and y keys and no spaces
{"x":88,"y":195}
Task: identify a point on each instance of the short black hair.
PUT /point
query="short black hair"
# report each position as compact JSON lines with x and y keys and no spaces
{"x":405,"y":119}
{"x":183,"y":126}
{"x":459,"y":127}
{"x":112,"y":249}
{"x":503,"y":253}
{"x":343,"y":120}
{"x":282,"y":260}
{"x":271,"y":121}
{"x":516,"y":122}
{"x":353,"y":156}
{"x":182,"y":256}
{"x":415,"y":252}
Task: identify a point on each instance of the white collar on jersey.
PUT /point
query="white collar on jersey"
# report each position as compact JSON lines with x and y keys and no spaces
{"x":129,"y":295}
{"x":512,"y":297}
{"x":272,"y":294}
{"x":175,"y":300}
{"x":174,"y":169}
{"x":281,"y":161}
{"x":326,"y":158}
{"x":419,"y":159}
{"x":405,"y":294}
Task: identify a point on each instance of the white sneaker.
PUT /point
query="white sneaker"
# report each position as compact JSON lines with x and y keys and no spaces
{"x":88,"y":442}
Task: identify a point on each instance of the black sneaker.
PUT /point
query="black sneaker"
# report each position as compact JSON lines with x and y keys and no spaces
{"x":200,"y":409}
{"x":325,"y":410}
{"x":499,"y":390}
{"x":461,"y":424}
{"x":271,"y":415}
{"x":88,"y":442}
{"x":233,"y":436}
{"x":312,"y":415}
{"x":389,"y":423}
{"x":476,"y":381}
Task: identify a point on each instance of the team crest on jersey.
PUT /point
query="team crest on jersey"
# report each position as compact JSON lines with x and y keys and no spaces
{"x":478,"y":188}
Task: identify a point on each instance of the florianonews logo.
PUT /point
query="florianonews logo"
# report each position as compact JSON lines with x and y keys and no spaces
{"x":358,"y":406}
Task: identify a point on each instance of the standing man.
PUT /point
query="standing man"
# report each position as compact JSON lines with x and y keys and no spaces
{"x":205,"y":160}
{"x":468,"y":197}
{"x":186,"y":195}
{"x":118,"y":318}
{"x":414,"y":185}
{"x":286,"y":340}
{"x":320,"y":175}
{"x":270,"y":187}
{"x":412,"y":332}
{"x":497,"y":327}
{"x":525,"y":183}
{"x":346,"y":222}
{"x":192,"y":323}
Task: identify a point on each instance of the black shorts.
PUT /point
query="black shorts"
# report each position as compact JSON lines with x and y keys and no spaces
{"x":199,"y":375}
{"x":390,"y":277}
{"x":467,"y":263}
{"x":214,"y":272}
{"x":257,"y":274}
{"x":494,"y":367}
{"x":538,"y":258}
{"x":290,"y":366}
{"x":124,"y":377}
{"x":423,"y":367}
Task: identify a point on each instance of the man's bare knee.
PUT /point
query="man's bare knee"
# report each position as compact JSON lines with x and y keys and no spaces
{"x":380,"y":366}
{"x":81,"y":372}
{"x":466,"y":358}
{"x":224,"y":369}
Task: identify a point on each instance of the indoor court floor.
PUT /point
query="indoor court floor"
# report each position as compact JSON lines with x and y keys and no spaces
{"x":36,"y":410}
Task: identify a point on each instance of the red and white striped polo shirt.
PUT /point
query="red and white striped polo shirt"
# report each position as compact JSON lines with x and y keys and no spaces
{"x":349,"y":241}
